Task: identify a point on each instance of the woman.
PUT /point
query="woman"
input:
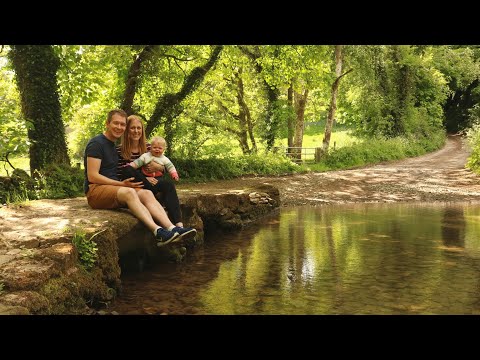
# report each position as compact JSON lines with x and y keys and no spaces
{"x":133,"y":144}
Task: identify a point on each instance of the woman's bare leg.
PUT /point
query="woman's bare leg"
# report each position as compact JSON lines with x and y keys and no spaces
{"x":155,"y":209}
{"x":130,"y":197}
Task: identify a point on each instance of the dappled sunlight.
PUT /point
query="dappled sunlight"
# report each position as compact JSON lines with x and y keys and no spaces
{"x":63,"y":248}
{"x":53,"y":224}
{"x":48,"y":205}
{"x":42,"y":227}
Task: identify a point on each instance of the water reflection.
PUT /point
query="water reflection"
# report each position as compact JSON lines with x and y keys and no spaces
{"x":453,"y":226}
{"x":355,"y":259}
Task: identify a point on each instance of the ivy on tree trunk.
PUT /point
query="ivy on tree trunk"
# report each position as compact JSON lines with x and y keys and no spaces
{"x":36,"y":75}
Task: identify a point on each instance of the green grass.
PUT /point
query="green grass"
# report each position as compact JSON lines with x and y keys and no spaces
{"x":338,"y":139}
{"x":314,"y":132}
{"x":19,"y":162}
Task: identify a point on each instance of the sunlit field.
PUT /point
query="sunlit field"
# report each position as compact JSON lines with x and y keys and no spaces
{"x":337,"y":140}
{"x":20,"y":163}
{"x":312,"y":138}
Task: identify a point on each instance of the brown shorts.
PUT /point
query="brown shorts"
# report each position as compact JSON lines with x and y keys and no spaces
{"x":104,"y":196}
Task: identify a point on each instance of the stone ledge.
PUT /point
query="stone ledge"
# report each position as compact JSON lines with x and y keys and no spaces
{"x":38,"y":261}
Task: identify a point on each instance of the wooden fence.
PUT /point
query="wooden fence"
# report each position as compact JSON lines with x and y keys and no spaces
{"x":301,"y":154}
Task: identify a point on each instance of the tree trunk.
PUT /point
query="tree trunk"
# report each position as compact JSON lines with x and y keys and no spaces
{"x":333,"y":101}
{"x":271,"y":120}
{"x":272,"y":96}
{"x":132,"y":78}
{"x":300,"y":104}
{"x":404,"y":92}
{"x":36,"y":74}
{"x":244,"y":118}
{"x":290,"y":120}
{"x":169,"y":106}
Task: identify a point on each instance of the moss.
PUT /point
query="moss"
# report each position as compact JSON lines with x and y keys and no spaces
{"x":60,"y":298}
{"x":30,"y":300}
{"x":108,"y":261}
{"x":34,"y":302}
{"x":73,"y":294}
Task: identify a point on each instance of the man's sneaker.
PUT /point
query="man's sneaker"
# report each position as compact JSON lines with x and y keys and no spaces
{"x":185,"y":232}
{"x":165,"y":237}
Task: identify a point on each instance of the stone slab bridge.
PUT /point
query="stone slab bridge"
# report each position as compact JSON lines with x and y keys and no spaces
{"x":41,"y":271}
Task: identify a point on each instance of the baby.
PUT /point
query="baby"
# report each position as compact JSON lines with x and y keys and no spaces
{"x":158,"y":146}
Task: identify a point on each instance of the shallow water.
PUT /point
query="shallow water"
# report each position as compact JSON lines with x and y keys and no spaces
{"x":349,"y":259}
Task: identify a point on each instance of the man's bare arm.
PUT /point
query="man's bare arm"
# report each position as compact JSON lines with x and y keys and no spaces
{"x":94,"y":176}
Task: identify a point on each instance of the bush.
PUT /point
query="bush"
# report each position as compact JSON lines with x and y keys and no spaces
{"x":473,"y":137}
{"x":216,"y":168}
{"x":379,"y":150}
{"x":59,"y":182}
{"x":17,"y":188}
{"x":53,"y":182}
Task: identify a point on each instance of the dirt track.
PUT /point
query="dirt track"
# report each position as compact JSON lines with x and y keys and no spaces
{"x":438,"y":176}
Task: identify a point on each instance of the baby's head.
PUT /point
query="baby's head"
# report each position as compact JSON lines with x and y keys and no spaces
{"x":158,"y":145}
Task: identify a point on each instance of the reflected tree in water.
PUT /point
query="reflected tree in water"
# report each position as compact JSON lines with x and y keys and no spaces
{"x":453,"y":227}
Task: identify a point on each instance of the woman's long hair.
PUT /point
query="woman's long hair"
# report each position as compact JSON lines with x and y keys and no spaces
{"x":126,"y":142}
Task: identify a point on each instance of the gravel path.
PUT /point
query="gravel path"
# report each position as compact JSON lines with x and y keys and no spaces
{"x":438,"y":176}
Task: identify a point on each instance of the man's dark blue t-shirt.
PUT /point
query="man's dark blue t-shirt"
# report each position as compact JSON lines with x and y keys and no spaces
{"x":101,"y":148}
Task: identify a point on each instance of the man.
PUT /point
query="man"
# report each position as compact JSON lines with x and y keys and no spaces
{"x":105,"y":191}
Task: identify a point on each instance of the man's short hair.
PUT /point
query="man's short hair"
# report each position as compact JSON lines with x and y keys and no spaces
{"x":116,"y":111}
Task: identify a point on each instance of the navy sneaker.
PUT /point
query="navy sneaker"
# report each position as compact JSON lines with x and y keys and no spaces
{"x":185,"y":232}
{"x":165,"y":237}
